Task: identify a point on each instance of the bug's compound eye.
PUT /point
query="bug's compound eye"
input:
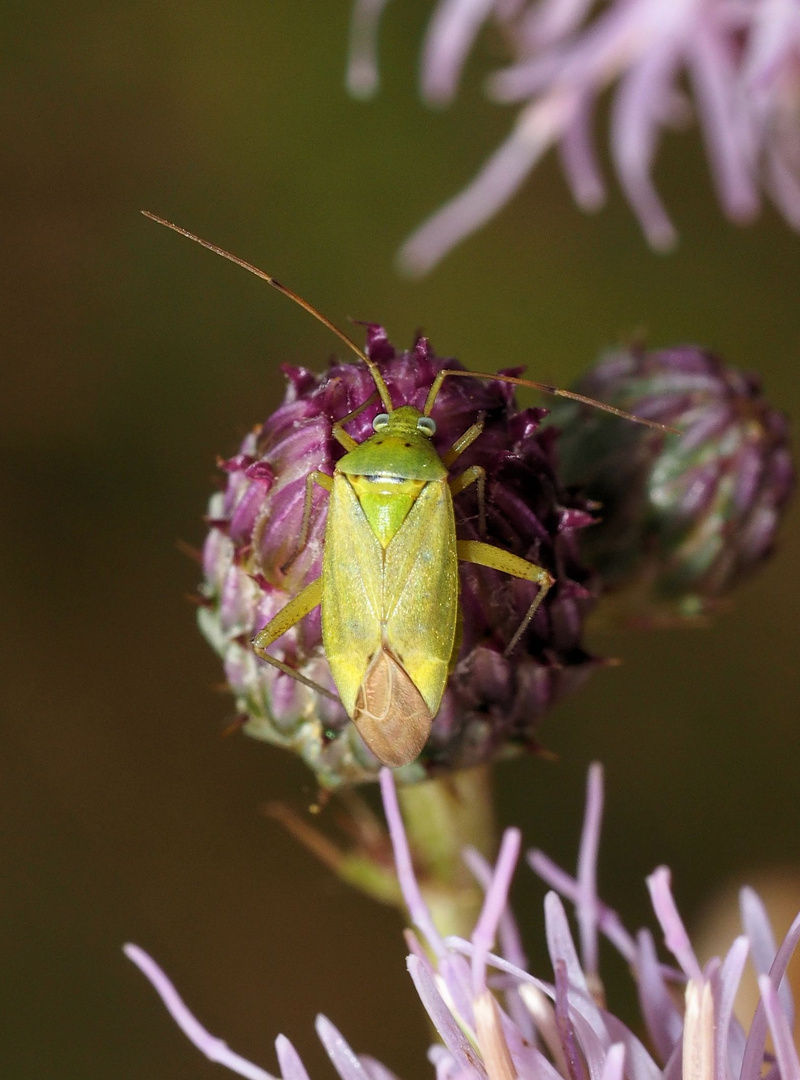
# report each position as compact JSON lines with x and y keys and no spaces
{"x":426,"y":426}
{"x":381,"y":422}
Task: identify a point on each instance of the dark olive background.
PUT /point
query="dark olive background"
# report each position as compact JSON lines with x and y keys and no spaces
{"x":130,"y":359}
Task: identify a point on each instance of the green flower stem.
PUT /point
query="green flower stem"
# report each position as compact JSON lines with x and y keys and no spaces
{"x":442,"y":817}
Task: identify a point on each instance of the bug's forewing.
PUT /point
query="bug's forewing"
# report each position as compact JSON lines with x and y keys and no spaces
{"x":352,"y":569}
{"x":420,"y":599}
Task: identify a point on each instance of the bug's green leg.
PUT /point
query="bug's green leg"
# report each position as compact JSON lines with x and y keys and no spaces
{"x":474,"y":474}
{"x":298,"y":607}
{"x":324,"y":481}
{"x":463,"y":441}
{"x":338,"y":432}
{"x":495,"y":558}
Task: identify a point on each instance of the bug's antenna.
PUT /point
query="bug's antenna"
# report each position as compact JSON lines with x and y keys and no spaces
{"x":380,"y":384}
{"x":545,"y":388}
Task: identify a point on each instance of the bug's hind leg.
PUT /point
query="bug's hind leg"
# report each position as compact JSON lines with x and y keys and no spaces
{"x":496,"y":558}
{"x":297,"y":608}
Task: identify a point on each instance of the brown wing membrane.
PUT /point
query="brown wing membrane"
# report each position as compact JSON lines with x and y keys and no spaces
{"x":390,"y":713}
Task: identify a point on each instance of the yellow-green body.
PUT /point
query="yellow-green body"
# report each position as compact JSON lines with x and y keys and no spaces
{"x":390,"y":585}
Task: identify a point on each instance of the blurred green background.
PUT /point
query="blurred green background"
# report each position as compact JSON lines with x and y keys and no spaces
{"x":131,"y":359}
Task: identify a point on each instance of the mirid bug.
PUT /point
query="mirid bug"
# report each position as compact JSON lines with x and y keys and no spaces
{"x":389,"y":587}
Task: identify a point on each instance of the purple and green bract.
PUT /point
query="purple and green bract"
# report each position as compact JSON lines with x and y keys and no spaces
{"x":492,"y":704}
{"x":683,"y":519}
{"x":498,"y":1022}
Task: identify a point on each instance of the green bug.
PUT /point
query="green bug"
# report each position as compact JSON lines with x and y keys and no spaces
{"x":389,"y":586}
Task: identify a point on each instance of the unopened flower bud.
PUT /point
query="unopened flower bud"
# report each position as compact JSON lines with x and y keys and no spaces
{"x":682,"y":518}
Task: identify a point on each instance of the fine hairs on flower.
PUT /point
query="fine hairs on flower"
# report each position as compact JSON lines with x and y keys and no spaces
{"x":497,"y":1021}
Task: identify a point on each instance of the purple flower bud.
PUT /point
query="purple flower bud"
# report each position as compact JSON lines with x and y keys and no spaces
{"x":252,"y":567}
{"x":683,"y":518}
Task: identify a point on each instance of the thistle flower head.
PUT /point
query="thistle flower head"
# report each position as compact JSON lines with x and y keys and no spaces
{"x":496,"y":1021}
{"x":253,"y":566}
{"x":736,"y":62}
{"x":682,"y":518}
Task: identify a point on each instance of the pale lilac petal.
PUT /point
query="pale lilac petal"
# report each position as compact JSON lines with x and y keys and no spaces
{"x":292,"y":1068}
{"x":614,"y":1063}
{"x":494,"y":904}
{"x":460,"y":945}
{"x":674,"y":1066}
{"x":375,"y":1069}
{"x":586,"y":1017}
{"x":456,"y":974}
{"x":730,"y":976}
{"x":443,"y":1062}
{"x":640,"y":1063}
{"x":724,"y":122}
{"x":566,"y":1031}
{"x":451,"y":34}
{"x":343,"y":1057}
{"x":754,"y":1046}
{"x":510,"y":939}
{"x":664,"y":1022}
{"x":579,"y":158}
{"x":510,"y":943}
{"x":417,"y":908}
{"x":608,"y":920}
{"x":635,"y":122}
{"x":779,"y":1025}
{"x":500,"y":178}
{"x":442,"y":1019}
{"x":756,"y":924}
{"x":362,"y":76}
{"x":543,"y":1014}
{"x":586,"y":909}
{"x":675,"y":936}
{"x":209,"y":1045}
{"x":554,"y":19}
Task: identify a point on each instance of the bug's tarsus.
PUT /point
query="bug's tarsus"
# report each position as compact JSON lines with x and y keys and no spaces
{"x":373,"y":367}
{"x":544,"y":588}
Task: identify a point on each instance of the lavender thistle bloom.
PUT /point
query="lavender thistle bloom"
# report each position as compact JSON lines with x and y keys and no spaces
{"x":497,"y":1021}
{"x":740,"y":60}
{"x":682,"y":518}
{"x":252,"y":568}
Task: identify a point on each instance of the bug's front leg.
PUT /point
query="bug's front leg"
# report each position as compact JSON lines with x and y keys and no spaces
{"x":496,"y":558}
{"x":297,"y":608}
{"x":475,"y":474}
